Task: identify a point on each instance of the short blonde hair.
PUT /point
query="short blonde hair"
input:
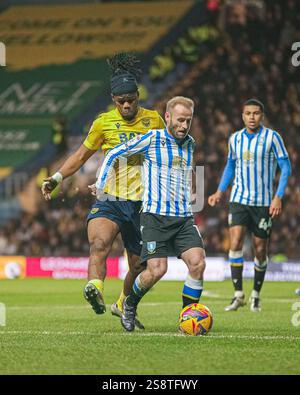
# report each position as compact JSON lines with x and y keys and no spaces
{"x":184,"y":101}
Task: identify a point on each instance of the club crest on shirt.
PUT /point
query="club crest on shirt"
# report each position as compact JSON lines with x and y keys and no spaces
{"x":146,"y":122}
{"x":178,"y":161}
{"x":151,"y":247}
{"x":248,"y":155}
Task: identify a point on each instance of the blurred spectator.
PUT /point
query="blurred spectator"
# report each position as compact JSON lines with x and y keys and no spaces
{"x":59,"y":134}
{"x":248,"y":64}
{"x":162,"y":64}
{"x":57,"y":229}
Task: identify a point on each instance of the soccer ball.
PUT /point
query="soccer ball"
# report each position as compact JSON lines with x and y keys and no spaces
{"x":195,"y":320}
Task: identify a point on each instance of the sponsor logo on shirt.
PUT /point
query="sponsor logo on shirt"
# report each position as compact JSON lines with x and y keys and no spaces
{"x":146,"y":122}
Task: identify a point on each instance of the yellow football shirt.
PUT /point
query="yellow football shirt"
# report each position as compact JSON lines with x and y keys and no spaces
{"x":109,"y":130}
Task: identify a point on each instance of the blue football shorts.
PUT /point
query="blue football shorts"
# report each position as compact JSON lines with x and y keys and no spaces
{"x":126,"y":214}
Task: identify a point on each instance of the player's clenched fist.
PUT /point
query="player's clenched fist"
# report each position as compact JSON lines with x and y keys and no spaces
{"x":50,"y":184}
{"x":98,"y":193}
{"x":215,"y":198}
{"x":93,"y":189}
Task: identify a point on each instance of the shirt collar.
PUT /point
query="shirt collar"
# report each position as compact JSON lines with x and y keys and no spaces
{"x":257,"y":133}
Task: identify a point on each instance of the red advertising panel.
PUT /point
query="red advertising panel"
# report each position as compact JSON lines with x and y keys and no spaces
{"x":65,"y":267}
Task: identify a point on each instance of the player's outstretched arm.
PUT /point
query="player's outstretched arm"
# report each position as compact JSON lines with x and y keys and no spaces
{"x":134,"y":146}
{"x":71,"y":165}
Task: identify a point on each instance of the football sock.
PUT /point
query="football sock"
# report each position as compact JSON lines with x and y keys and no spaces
{"x":120,"y":301}
{"x":260,"y":269}
{"x":239,"y":294}
{"x":138,"y":291}
{"x":192,"y":291}
{"x":254,"y":294}
{"x":99,"y":284}
{"x":236,"y":261}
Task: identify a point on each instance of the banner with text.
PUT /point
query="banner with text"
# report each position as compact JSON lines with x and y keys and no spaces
{"x":66,"y":267}
{"x":56,"y":64}
{"x":62,"y":34}
{"x":217,"y":268}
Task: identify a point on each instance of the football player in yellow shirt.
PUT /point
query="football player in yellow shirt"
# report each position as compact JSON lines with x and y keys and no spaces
{"x":119,"y":211}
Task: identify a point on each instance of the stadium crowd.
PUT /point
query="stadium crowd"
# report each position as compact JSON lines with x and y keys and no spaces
{"x":246,"y":64}
{"x":252,"y":58}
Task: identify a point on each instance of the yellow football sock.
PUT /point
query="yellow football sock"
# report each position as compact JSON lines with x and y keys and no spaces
{"x":120,"y":301}
{"x":99,"y":284}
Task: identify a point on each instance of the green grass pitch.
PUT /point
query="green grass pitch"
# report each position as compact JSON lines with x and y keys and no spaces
{"x":50,"y":329}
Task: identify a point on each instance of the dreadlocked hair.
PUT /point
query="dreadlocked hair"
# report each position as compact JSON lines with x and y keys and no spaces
{"x":124,"y":62}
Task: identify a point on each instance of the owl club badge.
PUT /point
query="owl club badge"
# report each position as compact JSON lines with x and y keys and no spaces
{"x":151,"y":247}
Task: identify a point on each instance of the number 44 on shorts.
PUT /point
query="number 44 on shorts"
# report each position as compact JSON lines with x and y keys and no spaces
{"x":265,"y":224}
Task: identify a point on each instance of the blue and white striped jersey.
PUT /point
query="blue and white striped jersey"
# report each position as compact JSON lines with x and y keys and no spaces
{"x":256,"y":162}
{"x":167,"y":171}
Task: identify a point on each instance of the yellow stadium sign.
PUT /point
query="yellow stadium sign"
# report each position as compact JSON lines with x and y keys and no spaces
{"x":42,"y":35}
{"x":12,"y":267}
{"x":5,"y":172}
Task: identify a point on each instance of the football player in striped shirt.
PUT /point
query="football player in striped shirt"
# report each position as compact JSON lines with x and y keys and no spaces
{"x":118,"y":210}
{"x":167,"y":224}
{"x":254,"y":153}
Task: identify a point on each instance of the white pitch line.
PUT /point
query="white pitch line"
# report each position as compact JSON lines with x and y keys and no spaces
{"x":211,"y":294}
{"x":147,"y":304}
{"x":75,"y":306}
{"x":152,"y":334}
{"x":281,"y":300}
{"x":84,"y":306}
{"x":49,"y":307}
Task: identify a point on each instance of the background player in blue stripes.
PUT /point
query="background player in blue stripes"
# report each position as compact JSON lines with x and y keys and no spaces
{"x":254,"y":153}
{"x":166,"y":221}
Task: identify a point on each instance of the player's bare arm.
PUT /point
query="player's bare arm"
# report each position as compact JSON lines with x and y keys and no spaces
{"x":71,"y":165}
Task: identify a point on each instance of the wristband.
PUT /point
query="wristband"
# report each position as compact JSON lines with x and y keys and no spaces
{"x":57,"y":177}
